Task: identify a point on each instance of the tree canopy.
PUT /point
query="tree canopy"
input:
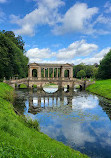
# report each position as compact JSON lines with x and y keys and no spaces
{"x":81,"y":74}
{"x":12,"y":58}
{"x":90,"y":70}
{"x":104,"y":71}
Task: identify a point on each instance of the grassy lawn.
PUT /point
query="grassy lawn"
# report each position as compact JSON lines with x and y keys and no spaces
{"x":102,"y":88}
{"x":20,"y":138}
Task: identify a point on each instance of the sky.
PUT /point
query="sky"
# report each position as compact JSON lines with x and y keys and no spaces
{"x":60,"y":31}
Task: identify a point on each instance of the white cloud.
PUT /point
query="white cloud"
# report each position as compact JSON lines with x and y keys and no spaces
{"x":37,"y":55}
{"x":78,"y":48}
{"x":3,"y":1}
{"x":103,"y":19}
{"x":107,"y":6}
{"x":102,"y":53}
{"x":77,"y":18}
{"x":76,"y":53}
{"x":45,"y":13}
{"x":2,"y":16}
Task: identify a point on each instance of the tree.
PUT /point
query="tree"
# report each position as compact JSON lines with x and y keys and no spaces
{"x":89,"y":71}
{"x":77,"y":68}
{"x":12,"y":59}
{"x":104,"y":71}
{"x":81,"y":74}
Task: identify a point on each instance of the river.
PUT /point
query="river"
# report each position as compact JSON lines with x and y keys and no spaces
{"x":79,"y":119}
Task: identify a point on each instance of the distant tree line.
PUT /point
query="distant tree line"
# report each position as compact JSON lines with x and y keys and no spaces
{"x":13,"y":61}
{"x":82,"y":70}
{"x":101,"y":71}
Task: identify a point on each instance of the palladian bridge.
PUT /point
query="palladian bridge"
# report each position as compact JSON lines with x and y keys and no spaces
{"x":41,"y":74}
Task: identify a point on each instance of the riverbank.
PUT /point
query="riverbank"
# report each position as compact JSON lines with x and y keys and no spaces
{"x":102,"y":88}
{"x":21,"y":139}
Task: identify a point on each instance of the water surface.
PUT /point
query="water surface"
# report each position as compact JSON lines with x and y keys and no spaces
{"x":78,"y":119}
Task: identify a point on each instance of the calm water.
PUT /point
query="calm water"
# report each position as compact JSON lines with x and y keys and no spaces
{"x":78,"y":119}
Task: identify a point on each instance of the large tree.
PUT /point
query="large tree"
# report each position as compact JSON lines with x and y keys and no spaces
{"x":104,"y":71}
{"x":12,"y":59}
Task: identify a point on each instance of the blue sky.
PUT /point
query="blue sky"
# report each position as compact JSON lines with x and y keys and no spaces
{"x":60,"y":31}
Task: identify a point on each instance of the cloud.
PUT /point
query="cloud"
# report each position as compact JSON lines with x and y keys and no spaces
{"x":76,"y":53}
{"x":102,"y":53}
{"x":45,"y":13}
{"x":3,"y":1}
{"x":2,"y":16}
{"x":78,"y":48}
{"x":37,"y":55}
{"x":107,"y":6}
{"x":103,"y":19}
{"x":77,"y":19}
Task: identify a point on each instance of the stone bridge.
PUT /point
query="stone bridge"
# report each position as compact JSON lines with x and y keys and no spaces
{"x":42,"y":74}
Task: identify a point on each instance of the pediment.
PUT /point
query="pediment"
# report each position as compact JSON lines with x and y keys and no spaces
{"x":34,"y":64}
{"x":67,"y":64}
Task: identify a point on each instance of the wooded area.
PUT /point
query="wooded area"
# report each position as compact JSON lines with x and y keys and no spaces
{"x":13,"y":61}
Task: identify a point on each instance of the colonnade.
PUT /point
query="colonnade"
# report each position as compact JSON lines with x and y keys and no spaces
{"x":60,"y":69}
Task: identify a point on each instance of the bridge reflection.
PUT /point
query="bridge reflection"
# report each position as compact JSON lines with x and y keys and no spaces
{"x":41,"y":100}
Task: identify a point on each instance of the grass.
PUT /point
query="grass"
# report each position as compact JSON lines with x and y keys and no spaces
{"x":51,"y":85}
{"x":20,"y":138}
{"x":23,"y":86}
{"x":102,"y":88}
{"x":34,"y":86}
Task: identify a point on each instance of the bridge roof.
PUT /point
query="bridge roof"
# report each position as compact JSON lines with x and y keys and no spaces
{"x":50,"y":64}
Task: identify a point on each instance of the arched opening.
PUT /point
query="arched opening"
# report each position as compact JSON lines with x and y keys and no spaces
{"x":22,"y":86}
{"x":34,"y":86}
{"x":66,"y":73}
{"x":50,"y":88}
{"x":34,"y":73}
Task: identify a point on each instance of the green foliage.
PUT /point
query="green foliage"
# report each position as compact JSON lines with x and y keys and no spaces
{"x":104,"y":71}
{"x":34,"y":86}
{"x":77,"y":68}
{"x":66,"y":73}
{"x":32,"y":123}
{"x":81,"y":74}
{"x":90,"y":70}
{"x":6,"y":92}
{"x":12,"y":59}
{"x":102,"y":88}
{"x":19,"y":138}
{"x":34,"y":72}
{"x":23,"y":86}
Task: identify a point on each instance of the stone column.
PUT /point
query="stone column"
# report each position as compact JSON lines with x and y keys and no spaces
{"x":39,"y":73}
{"x":44,"y":72}
{"x":48,"y":72}
{"x":71,"y":73}
{"x":57,"y":73}
{"x":30,"y":73}
{"x":62,"y":72}
{"x":53,"y":73}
